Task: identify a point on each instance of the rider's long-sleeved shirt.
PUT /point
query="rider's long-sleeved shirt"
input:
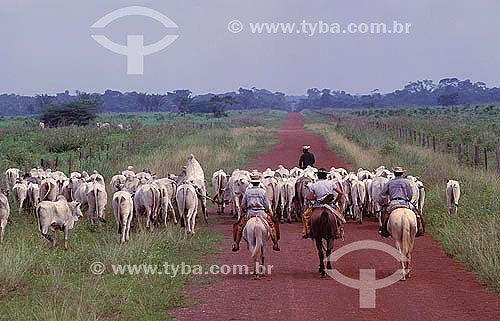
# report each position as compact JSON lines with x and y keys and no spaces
{"x":255,"y":201}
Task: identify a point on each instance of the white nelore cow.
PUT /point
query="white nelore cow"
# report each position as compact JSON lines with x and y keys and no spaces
{"x":296,"y":172}
{"x":97,"y":199}
{"x":41,"y":125}
{"x":287,"y":195}
{"x":187,"y":201}
{"x":48,"y":190}
{"x":120,"y":126}
{"x":235,"y":189}
{"x":358,"y":194}
{"x":11,"y":176}
{"x":452,"y":196}
{"x":147,"y":204}
{"x":123,"y":210}
{"x":282,"y":171}
{"x":167,"y":188}
{"x":58,"y":215}
{"x":116,"y":182}
{"x":219,"y":182}
{"x":193,"y":173}
{"x":129,"y":172}
{"x":20,"y":193}
{"x":375,"y":189}
{"x":4,"y":213}
{"x":33,"y":195}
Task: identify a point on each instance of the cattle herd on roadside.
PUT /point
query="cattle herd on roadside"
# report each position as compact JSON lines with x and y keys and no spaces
{"x":143,"y":200}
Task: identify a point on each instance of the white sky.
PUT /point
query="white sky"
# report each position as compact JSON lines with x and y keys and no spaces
{"x":47,"y":45}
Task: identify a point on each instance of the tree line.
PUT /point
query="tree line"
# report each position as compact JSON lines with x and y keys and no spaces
{"x":448,"y":91}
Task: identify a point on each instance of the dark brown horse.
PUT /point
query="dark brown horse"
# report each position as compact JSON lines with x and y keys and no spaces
{"x":323,"y":227}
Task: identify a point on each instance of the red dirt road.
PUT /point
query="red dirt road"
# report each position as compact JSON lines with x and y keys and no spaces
{"x":439,"y":288}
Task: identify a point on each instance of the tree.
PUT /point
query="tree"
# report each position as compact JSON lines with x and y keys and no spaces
{"x":447,"y":99}
{"x":43,"y":100}
{"x":78,"y":113}
{"x":219,"y":105}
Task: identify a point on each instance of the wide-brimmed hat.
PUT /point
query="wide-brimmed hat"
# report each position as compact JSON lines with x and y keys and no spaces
{"x":321,"y":172}
{"x":398,"y":170}
{"x":306,"y":147}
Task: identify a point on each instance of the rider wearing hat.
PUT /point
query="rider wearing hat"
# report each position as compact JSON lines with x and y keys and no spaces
{"x":306,"y":159}
{"x":399,"y":193}
{"x":255,"y":203}
{"x":322,"y":192}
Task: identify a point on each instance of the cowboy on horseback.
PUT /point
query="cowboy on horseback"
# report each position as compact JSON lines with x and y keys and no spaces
{"x":307,"y":158}
{"x":322,"y":194}
{"x":399,"y":193}
{"x":255,"y":203}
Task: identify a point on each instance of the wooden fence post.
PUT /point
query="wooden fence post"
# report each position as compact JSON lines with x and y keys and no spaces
{"x":80,"y":159}
{"x":434,"y":143}
{"x":476,"y":156}
{"x":446,"y":146}
{"x":70,"y":163}
{"x":427,"y":140}
{"x":41,"y":163}
{"x":99,"y":153}
{"x":459,"y":150}
{"x":107,"y":152}
{"x":57,"y":162}
{"x":485,"y":158}
{"x":25,"y":167}
{"x":128,"y":148}
{"x":90,"y":153}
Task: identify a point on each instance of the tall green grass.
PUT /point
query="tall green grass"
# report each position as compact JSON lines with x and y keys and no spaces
{"x":41,"y":283}
{"x":473,"y":235}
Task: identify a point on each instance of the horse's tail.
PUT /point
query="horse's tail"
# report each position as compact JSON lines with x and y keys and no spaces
{"x":325,"y":224}
{"x":405,"y":222}
{"x":258,"y":244}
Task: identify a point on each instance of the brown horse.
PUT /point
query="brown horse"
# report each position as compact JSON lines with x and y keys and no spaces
{"x":323,"y":227}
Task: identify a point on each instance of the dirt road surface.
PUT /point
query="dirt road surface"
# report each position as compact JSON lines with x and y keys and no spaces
{"x":439,"y":289}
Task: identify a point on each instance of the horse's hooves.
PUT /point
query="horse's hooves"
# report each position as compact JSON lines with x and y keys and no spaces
{"x":402,"y":279}
{"x":323,"y":275}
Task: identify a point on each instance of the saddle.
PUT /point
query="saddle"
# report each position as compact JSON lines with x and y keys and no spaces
{"x":395,"y":207}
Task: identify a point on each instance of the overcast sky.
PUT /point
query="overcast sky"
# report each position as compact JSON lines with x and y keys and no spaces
{"x":47,"y":45}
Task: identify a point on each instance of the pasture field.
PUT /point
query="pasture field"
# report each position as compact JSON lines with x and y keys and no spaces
{"x":472,"y":236}
{"x":41,"y":283}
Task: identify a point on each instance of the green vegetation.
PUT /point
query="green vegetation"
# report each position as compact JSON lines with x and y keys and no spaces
{"x":472,"y":236}
{"x":78,"y":113}
{"x":41,"y":283}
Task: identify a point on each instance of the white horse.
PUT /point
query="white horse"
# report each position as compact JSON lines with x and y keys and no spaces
{"x":256,"y":233}
{"x":402,"y":226}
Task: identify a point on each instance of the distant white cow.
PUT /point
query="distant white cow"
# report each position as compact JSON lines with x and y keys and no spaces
{"x":287,"y":195}
{"x":120,"y":126}
{"x":296,"y":172}
{"x":187,"y":201}
{"x":116,"y":182}
{"x":219,"y":182}
{"x":41,"y":125}
{"x":4,"y":213}
{"x":123,"y":210}
{"x":358,"y":194}
{"x":452,"y":196}
{"x":129,"y":172}
{"x":20,"y":193}
{"x":11,"y":176}
{"x":59,"y":215}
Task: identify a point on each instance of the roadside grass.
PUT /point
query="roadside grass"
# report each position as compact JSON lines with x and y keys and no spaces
{"x":41,"y":283}
{"x":473,"y":235}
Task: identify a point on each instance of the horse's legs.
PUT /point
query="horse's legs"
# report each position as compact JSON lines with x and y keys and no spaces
{"x":329,"y":247}
{"x":319,"y":246}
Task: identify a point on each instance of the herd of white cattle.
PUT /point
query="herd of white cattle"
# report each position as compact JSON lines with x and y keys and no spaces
{"x":57,"y":200}
{"x":288,"y":190}
{"x":103,"y":125}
